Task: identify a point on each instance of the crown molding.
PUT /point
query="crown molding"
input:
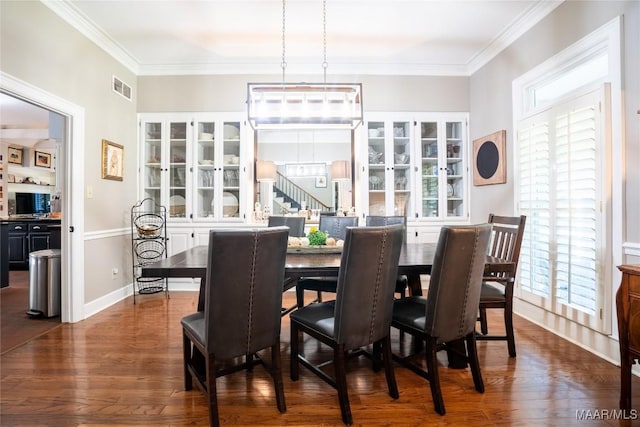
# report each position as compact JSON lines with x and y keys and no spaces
{"x":78,"y":20}
{"x":517,"y":28}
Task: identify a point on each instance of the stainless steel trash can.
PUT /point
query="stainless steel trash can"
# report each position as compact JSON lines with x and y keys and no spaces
{"x":44,"y":283}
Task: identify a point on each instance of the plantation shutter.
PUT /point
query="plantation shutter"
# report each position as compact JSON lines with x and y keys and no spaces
{"x":560,"y":160}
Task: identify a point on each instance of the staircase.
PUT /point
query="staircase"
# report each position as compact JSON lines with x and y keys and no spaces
{"x":287,"y":196}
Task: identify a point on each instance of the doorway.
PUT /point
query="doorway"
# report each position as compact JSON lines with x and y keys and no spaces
{"x":71,"y":162}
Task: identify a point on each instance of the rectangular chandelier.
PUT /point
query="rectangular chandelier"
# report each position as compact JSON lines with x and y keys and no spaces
{"x":304,"y":105}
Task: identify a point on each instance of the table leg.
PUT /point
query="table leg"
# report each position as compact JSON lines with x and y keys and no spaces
{"x":414,"y":283}
{"x":201,"y":294}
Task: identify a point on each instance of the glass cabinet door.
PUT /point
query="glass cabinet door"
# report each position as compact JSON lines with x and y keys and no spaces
{"x":205,"y":169}
{"x":376,"y":168}
{"x":230,"y":167}
{"x":455,"y":170}
{"x":430,"y":207}
{"x":177,"y":169}
{"x":152,"y":162}
{"x":401,"y":168}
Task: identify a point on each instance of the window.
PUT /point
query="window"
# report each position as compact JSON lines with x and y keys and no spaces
{"x":562,"y":118}
{"x":559,"y":192}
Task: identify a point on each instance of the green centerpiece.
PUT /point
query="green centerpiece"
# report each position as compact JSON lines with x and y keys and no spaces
{"x":317,"y":237}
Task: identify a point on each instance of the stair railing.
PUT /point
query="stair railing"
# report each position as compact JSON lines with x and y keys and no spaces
{"x":296,"y":193}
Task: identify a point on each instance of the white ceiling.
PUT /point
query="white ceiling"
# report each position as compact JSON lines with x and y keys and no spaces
{"x":397,"y":37}
{"x":386,"y":37}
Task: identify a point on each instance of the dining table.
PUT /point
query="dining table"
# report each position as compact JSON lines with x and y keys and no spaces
{"x":416,"y":259}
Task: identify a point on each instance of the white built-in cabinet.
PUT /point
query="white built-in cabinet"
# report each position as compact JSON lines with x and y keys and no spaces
{"x":194,"y":165}
{"x":416,"y":164}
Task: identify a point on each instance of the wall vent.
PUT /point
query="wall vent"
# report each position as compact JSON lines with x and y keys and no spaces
{"x":121,"y":88}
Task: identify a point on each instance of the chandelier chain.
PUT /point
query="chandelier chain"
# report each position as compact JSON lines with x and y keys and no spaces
{"x":325,"y":64}
{"x":283,"y":64}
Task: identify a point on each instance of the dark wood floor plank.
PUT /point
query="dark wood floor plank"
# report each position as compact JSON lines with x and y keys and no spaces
{"x":123,"y":367}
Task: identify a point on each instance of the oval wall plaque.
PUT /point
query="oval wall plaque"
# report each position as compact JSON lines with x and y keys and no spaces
{"x":487,"y":159}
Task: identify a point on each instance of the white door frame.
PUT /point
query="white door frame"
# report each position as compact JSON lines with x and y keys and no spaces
{"x":72,"y":161}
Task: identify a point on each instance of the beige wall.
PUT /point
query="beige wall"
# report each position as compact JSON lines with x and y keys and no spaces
{"x":228,"y":93}
{"x":491,"y":97}
{"x":37,"y":47}
{"x":491,"y":110}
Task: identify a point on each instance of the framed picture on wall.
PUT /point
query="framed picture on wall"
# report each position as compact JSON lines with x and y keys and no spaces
{"x":42,"y":159}
{"x":321,"y":182}
{"x":15,"y":155}
{"x":112,"y":160}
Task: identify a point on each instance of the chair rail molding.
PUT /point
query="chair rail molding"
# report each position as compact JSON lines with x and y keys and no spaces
{"x":631,"y":248}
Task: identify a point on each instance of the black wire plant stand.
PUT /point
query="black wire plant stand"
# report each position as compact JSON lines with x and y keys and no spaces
{"x":148,"y":245}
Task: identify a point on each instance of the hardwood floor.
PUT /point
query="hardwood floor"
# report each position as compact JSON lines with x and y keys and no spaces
{"x":123,"y":366}
{"x":16,"y":327}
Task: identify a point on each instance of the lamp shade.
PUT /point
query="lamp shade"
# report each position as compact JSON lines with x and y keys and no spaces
{"x":341,"y":170}
{"x":265,"y":170}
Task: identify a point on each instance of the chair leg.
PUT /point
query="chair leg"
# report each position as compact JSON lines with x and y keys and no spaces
{"x":388,"y":368}
{"x":186,"y":357}
{"x":293,"y":358}
{"x":339,"y":360}
{"x":299,"y":296}
{"x":483,"y":321}
{"x":319,"y":296}
{"x":474,"y":363}
{"x":276,"y":373}
{"x":376,"y":357}
{"x":508,"y":325}
{"x":211,"y":392}
{"x":434,"y":377}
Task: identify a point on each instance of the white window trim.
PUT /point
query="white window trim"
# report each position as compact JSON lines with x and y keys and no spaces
{"x":606,"y":37}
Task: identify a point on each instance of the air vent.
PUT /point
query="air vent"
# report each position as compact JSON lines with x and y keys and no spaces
{"x":121,"y":87}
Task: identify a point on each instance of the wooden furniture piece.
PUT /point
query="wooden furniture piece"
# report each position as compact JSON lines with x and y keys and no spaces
{"x":448,"y":314}
{"x":245,"y":269}
{"x":360,"y":315}
{"x":628,"y":308}
{"x":497,"y":287}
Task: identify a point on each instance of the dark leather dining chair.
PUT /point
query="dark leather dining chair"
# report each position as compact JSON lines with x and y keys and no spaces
{"x":334,"y":226}
{"x":296,"y":229}
{"x":446,"y":318}
{"x":295,"y":224}
{"x":361,"y":312}
{"x":497,"y":287}
{"x":373,"y":220}
{"x":243,"y":296}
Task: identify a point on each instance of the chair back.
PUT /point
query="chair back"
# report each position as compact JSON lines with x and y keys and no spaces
{"x":295,"y":224}
{"x":374,"y":220}
{"x":506,"y":238}
{"x":456,"y":278}
{"x":245,"y":272}
{"x":366,"y":282}
{"x":336,"y":226}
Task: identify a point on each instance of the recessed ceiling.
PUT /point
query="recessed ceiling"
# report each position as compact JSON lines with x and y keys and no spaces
{"x":399,"y":37}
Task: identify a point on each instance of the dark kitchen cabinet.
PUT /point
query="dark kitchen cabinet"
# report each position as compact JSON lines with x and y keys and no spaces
{"x":18,"y":245}
{"x":25,"y":237}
